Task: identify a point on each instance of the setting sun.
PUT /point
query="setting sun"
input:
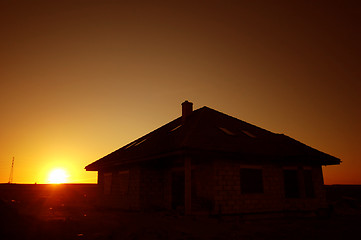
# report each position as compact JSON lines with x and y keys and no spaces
{"x":58,"y":176}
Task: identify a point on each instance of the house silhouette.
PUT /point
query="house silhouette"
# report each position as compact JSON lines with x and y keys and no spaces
{"x":208,"y":162}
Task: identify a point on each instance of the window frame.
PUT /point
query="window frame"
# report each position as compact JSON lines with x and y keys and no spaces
{"x":309,"y":183}
{"x":292,"y":189}
{"x":254,"y":175}
{"x":123,"y":178}
{"x":107,"y":183}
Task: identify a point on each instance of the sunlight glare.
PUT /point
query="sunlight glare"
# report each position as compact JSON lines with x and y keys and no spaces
{"x":58,"y":176}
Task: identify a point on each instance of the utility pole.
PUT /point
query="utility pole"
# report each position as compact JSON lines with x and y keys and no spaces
{"x":11,"y":171}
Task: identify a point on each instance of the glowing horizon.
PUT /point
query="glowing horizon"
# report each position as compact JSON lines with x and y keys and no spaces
{"x":80,"y":79}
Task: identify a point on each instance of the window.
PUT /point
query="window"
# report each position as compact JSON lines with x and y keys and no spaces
{"x":251,"y":180}
{"x":123,"y":178}
{"x":107,"y":183}
{"x":291,"y":183}
{"x":309,"y":189}
{"x":175,"y":128}
{"x":135,"y":143}
{"x":248,"y":134}
{"x":226,"y":131}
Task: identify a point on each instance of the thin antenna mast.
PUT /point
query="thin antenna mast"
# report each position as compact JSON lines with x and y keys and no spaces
{"x":11,"y":171}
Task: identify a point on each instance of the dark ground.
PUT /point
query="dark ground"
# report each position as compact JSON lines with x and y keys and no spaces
{"x":69,"y":212}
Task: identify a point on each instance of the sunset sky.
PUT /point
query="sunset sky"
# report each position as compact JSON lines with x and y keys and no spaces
{"x":80,"y":79}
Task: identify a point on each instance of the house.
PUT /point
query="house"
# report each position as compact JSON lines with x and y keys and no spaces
{"x":208,"y":162}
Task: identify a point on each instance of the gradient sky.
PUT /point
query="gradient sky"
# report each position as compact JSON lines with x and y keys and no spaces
{"x":80,"y":79}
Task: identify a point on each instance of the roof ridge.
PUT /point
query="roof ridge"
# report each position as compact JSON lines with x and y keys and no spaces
{"x":240,"y":120}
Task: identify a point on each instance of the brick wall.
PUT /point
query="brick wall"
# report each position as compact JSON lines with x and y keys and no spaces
{"x":307,"y":203}
{"x":124,"y":191}
{"x":152,"y":185}
{"x":134,"y":188}
{"x":202,"y":187}
{"x":229,"y":199}
{"x":226,"y":187}
{"x":216,"y":188}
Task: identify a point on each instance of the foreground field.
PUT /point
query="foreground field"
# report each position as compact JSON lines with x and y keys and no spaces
{"x":68,"y":213}
{"x":125,"y":225}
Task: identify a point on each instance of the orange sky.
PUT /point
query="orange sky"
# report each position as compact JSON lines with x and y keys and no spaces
{"x":79,"y":79}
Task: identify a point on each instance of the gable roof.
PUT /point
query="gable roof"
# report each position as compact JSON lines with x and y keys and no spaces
{"x":207,"y":130}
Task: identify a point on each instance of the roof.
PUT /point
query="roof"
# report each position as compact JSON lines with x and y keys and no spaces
{"x":207,"y":130}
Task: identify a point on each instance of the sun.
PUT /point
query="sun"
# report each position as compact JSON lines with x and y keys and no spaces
{"x":58,"y":176}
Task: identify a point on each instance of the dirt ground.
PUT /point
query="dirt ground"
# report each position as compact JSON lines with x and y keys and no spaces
{"x":102,"y":224}
{"x":63,"y":216}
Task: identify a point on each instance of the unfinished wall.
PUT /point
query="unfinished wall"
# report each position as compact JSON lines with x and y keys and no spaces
{"x":134,"y":188}
{"x":228,"y":197}
{"x":304,"y":202}
{"x":202,"y":188}
{"x":120,"y":188}
{"x":216,"y":188}
{"x":152,"y":185}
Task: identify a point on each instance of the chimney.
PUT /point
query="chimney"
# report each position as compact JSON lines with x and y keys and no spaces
{"x":187,"y":109}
